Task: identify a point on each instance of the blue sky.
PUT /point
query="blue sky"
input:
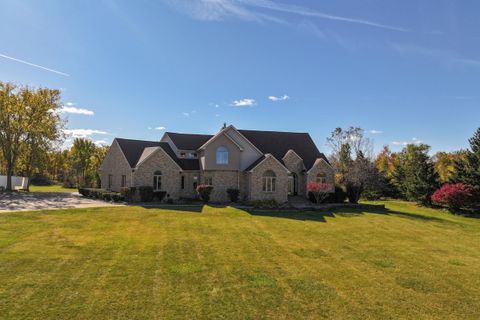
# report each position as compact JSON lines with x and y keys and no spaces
{"x":405,"y":71}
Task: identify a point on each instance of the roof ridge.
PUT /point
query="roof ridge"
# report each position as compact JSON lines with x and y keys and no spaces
{"x":273,"y":131}
{"x":127,"y":139}
{"x":190,"y":134}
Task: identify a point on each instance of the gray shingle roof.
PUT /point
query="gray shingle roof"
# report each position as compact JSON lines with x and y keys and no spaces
{"x":133,"y":150}
{"x":187,"y":141}
{"x":274,"y":142}
{"x":278,"y":143}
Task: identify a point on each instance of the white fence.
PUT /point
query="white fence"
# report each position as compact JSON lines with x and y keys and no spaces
{"x":18,"y":183}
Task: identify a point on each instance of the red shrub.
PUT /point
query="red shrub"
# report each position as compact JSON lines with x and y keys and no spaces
{"x":455,"y":196}
{"x":319,"y":190}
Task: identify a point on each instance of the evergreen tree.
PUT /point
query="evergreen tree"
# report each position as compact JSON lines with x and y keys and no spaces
{"x":415,"y":174}
{"x":467,"y":168}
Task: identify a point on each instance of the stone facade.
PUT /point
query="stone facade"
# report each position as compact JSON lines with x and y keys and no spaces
{"x":256,"y":181}
{"x":321,"y":166}
{"x":221,"y":181}
{"x":295,"y":165}
{"x":171,"y":173}
{"x":190,"y":178}
{"x":116,"y":165}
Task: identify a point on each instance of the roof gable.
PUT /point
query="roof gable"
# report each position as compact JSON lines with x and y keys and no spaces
{"x":279,"y":143}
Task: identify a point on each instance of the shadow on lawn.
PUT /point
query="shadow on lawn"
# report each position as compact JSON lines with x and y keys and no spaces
{"x":313,"y":215}
{"x":345,"y":212}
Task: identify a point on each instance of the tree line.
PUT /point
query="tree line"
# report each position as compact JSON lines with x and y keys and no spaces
{"x":410,"y":174}
{"x":31,"y":138}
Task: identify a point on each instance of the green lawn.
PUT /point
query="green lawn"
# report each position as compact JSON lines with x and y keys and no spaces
{"x":136,"y":263}
{"x":51,"y":188}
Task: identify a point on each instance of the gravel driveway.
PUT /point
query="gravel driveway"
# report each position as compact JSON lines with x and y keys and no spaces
{"x":28,"y":201}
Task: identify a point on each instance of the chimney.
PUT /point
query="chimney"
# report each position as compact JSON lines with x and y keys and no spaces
{"x":224,"y":125}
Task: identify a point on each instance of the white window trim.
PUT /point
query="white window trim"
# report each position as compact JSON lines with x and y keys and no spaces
{"x":270,"y":184}
{"x":155,"y":185}
{"x":223,"y":153}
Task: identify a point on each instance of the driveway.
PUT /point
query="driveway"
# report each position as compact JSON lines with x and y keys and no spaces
{"x":29,"y":201}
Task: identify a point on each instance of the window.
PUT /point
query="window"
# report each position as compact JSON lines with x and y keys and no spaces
{"x":208,"y":181}
{"x":157,"y":180}
{"x":222,"y":155}
{"x":268,"y":181}
{"x":182,"y":182}
{"x":124,"y":181}
{"x":321,"y":178}
{"x":195,"y":182}
{"x":110,"y":181}
{"x":182,"y":154}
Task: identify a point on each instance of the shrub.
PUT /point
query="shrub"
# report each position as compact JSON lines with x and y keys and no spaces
{"x":233,"y":194}
{"x":319,"y":191}
{"x":146,"y":193}
{"x":338,"y":196}
{"x":354,"y":192}
{"x":264,"y":204}
{"x":159,"y":195}
{"x":455,"y":196}
{"x":107,"y":196}
{"x":117,"y":197}
{"x":204,"y":192}
{"x":128,"y":193}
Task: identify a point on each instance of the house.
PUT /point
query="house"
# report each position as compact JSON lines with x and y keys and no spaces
{"x":261,"y":164}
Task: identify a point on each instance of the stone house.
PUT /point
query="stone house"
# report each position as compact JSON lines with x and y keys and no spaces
{"x":261,"y":164}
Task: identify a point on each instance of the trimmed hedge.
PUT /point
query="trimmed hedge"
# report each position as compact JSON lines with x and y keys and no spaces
{"x":264,"y":204}
{"x":101,"y":194}
{"x":146,"y":193}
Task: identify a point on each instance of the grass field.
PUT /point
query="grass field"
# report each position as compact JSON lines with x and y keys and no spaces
{"x":137,"y":263}
{"x":51,"y":188}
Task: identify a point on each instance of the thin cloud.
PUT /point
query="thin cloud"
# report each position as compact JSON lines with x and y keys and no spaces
{"x":375,"y":131}
{"x":34,"y":65}
{"x":446,"y":57}
{"x":216,"y":10}
{"x":307,"y":12}
{"x":281,"y":98}
{"x":186,"y":114}
{"x":244,"y":102}
{"x":82,"y":133}
{"x":69,"y":107}
{"x":405,"y":143}
{"x":159,"y":128}
{"x":101,"y":143}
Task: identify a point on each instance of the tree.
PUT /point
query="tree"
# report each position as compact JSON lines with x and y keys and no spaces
{"x":445,"y":164}
{"x":415,"y":176}
{"x":467,"y":168}
{"x":29,"y":120}
{"x":354,"y":137}
{"x":360,"y":174}
{"x":386,"y":162}
{"x":83,"y":154}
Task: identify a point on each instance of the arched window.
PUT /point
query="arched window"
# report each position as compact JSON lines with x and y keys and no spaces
{"x":321,"y":178}
{"x":222,"y":155}
{"x":269,"y":180}
{"x":157,"y":180}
